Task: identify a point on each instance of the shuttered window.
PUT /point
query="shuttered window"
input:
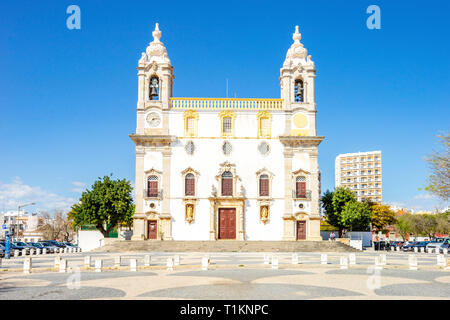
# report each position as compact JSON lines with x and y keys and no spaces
{"x":189,"y":186}
{"x":190,"y":126}
{"x":264,"y":127}
{"x":264,"y":185}
{"x":227,"y":183}
{"x":301,"y":187}
{"x":227,"y":127}
{"x":152,"y":186}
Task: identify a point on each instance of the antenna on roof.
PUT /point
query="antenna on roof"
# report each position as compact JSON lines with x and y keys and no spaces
{"x":227,"y":88}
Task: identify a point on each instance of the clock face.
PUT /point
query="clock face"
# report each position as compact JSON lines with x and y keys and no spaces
{"x":153,"y":119}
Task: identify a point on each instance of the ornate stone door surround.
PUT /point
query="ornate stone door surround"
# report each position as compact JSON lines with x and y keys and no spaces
{"x":216,"y":203}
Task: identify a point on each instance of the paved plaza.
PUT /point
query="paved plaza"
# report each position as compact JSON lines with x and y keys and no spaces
{"x":229,"y":276}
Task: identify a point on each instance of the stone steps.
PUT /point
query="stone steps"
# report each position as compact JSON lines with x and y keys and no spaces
{"x":114,"y":245}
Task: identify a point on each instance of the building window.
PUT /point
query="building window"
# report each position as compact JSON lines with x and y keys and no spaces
{"x":154,"y":88}
{"x":264,"y":119}
{"x":263,"y":148}
{"x":190,"y":148}
{"x":227,"y":183}
{"x":299,"y":91}
{"x":226,"y":148}
{"x":227,"y":125}
{"x":264,"y":185}
{"x":300,"y":187}
{"x":190,"y":123}
{"x":152,"y":187}
{"x":189,"y":185}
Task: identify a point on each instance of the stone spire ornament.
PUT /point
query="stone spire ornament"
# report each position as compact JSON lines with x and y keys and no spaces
{"x":156,"y":51}
{"x":297,"y":53}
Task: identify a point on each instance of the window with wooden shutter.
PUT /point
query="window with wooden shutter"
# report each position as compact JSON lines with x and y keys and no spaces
{"x":189,"y":187}
{"x":190,"y":126}
{"x":227,"y":125}
{"x":152,"y":186}
{"x":227,"y":183}
{"x":264,"y":127}
{"x":264,"y":185}
{"x":301,"y":187}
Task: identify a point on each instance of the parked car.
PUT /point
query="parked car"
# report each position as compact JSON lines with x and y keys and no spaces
{"x":38,"y":246}
{"x":56,"y":243}
{"x":416,"y":244}
{"x":71,"y":245}
{"x":25,"y":248}
{"x":2,"y":251}
{"x":50,"y":247}
{"x":13,"y":247}
{"x":396,"y":244}
{"x":437,"y":243}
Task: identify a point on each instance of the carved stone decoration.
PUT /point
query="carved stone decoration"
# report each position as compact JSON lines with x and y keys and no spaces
{"x":264,"y":214}
{"x":189,"y":213}
{"x":213,"y":191}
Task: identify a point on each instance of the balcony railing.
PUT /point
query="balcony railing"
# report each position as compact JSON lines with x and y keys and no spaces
{"x":226,"y":103}
{"x":301,"y":196}
{"x":148,"y":194}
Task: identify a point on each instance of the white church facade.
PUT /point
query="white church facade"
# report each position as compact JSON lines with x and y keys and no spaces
{"x":226,"y":169}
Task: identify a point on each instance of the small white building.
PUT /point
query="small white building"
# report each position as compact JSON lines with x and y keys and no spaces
{"x":214,"y":169}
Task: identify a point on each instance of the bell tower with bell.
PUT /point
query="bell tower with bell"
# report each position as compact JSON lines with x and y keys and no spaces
{"x":152,"y":140}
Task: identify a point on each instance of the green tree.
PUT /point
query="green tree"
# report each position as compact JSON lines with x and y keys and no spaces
{"x":439,"y":164}
{"x":334,"y":204}
{"x":443,"y":223}
{"x":403,"y":225}
{"x":356,"y":215}
{"x":382,"y":216}
{"x":108,"y":204}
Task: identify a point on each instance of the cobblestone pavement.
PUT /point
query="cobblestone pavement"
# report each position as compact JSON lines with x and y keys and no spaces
{"x":230,"y":276}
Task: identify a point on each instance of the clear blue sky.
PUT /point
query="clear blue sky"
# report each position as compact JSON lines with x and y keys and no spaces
{"x":68,"y":97}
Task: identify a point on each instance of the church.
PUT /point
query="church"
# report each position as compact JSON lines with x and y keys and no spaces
{"x":226,"y":169}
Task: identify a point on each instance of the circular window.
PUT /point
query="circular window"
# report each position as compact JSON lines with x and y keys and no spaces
{"x":301,"y":205}
{"x":226,"y":148}
{"x":264,"y":148}
{"x":152,"y":205}
{"x":190,"y":147}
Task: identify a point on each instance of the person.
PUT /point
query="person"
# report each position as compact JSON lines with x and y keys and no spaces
{"x":332,"y":236}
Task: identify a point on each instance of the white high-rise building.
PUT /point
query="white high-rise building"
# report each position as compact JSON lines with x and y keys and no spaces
{"x":360,"y":172}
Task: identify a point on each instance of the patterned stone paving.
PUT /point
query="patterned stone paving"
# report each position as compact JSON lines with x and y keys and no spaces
{"x":230,"y":276}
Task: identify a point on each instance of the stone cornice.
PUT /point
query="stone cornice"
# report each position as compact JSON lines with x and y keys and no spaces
{"x":301,"y":141}
{"x":140,"y":139}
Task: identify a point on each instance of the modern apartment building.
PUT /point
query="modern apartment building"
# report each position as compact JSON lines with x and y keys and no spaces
{"x":360,"y":172}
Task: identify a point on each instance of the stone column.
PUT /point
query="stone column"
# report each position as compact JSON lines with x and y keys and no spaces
{"x":288,"y":225}
{"x":138,"y":222}
{"x":166,"y":218}
{"x":240,"y":211}
{"x":315,"y":196}
{"x":212,"y":233}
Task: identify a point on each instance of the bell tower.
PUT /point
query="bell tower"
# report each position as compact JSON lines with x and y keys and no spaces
{"x":297,"y":75}
{"x":155,"y":82}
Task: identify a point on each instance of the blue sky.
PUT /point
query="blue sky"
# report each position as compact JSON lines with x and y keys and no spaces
{"x":68,"y":97}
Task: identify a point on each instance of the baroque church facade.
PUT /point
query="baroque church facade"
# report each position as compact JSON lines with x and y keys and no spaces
{"x":226,"y":169}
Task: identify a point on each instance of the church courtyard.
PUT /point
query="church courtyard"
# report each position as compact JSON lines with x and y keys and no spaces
{"x":235,"y":275}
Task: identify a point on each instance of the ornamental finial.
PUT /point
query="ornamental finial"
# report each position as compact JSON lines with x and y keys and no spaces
{"x":156,"y":33}
{"x":296,"y":36}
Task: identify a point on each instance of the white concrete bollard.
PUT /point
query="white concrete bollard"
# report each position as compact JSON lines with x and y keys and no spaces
{"x":421,"y":249}
{"x":176,"y":260}
{"x":98,"y":265}
{"x":378,"y":263}
{"x":266,"y":259}
{"x":274,"y":262}
{"x":63,"y":266}
{"x":344,"y":263}
{"x":383,"y":259}
{"x":147,"y":260}
{"x":445,"y":251}
{"x":294,"y":258}
{"x":441,"y":260}
{"x":323,"y":258}
{"x":397,"y":248}
{"x":392,"y":248}
{"x":352,"y":258}
{"x":57,"y":261}
{"x":44,"y":251}
{"x":32,"y":252}
{"x":87,"y":261}
{"x":133,"y":265}
{"x":205,"y":263}
{"x":412,"y":261}
{"x":117,"y":261}
{"x":38,"y":252}
{"x":16,"y":253}
{"x":170,"y":264}
{"x":416,"y":249}
{"x":27,"y":264}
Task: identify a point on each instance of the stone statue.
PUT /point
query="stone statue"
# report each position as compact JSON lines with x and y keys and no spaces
{"x":189,"y":212}
{"x":264,"y":214}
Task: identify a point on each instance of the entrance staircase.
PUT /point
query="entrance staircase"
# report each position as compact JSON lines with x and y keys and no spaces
{"x":223,"y":246}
